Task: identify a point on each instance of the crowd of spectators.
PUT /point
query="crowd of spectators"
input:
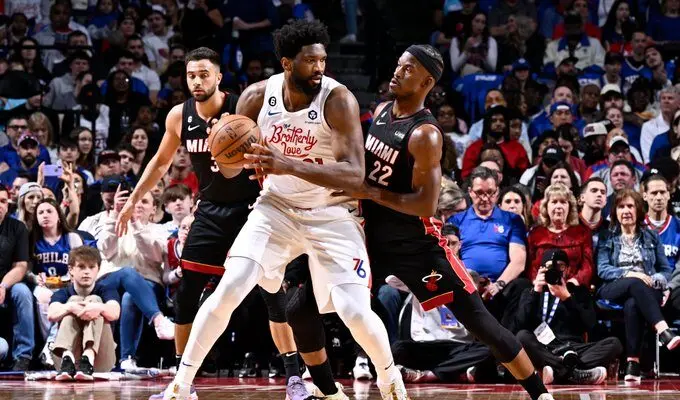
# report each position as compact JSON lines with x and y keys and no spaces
{"x":562,"y":132}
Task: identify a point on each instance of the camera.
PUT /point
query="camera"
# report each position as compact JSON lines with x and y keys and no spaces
{"x":553,"y":274}
{"x":570,"y":358}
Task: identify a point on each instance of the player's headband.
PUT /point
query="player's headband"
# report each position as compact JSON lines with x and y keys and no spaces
{"x":427,"y":58}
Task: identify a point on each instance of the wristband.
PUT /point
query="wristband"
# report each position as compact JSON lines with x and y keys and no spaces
{"x":501,"y":284}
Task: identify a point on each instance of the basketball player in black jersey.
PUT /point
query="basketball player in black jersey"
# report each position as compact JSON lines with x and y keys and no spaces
{"x":223,"y":201}
{"x":403,"y":152}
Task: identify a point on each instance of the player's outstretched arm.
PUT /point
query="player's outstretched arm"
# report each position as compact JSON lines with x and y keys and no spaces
{"x":157,"y":167}
{"x":425,"y":146}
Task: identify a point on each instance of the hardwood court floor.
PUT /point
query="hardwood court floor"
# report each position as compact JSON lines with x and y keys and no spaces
{"x":264,"y":389}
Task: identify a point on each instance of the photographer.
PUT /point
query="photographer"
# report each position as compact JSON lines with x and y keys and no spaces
{"x":554,"y":316}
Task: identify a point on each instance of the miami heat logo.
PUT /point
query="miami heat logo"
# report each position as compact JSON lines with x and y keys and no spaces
{"x":431,"y":281}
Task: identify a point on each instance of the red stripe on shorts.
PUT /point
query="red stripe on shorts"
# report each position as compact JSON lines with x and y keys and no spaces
{"x":202,"y":268}
{"x":433,"y":227}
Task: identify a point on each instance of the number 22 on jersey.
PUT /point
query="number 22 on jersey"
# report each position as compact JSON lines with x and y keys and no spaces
{"x":380,"y":173}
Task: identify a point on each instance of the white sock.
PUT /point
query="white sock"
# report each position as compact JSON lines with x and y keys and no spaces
{"x":353,"y":305}
{"x":240,"y":277}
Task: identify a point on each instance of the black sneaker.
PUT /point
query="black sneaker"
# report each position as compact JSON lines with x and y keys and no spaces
{"x":21,"y":364}
{"x":633,"y":373}
{"x":249,"y":368}
{"x":669,"y":339}
{"x":593,"y":376}
{"x":67,"y":370}
{"x":85,"y":370}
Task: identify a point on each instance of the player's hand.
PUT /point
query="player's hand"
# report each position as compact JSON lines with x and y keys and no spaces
{"x":267,"y":160}
{"x":125,"y":208}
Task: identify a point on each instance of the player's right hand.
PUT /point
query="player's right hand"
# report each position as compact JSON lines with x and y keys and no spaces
{"x":124,"y":207}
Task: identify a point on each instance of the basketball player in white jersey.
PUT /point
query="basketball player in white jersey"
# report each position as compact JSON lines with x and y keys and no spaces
{"x":314,"y":146}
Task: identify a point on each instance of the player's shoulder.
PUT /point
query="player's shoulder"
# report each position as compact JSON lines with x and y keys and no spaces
{"x":256,"y":90}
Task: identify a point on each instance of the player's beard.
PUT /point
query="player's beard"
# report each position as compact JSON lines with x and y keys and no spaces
{"x":304,"y":85}
{"x":206,"y":94}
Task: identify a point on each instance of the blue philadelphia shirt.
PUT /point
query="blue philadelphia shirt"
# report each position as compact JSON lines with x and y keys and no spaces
{"x":53,"y":258}
{"x":669,"y":233}
{"x":485,"y":243}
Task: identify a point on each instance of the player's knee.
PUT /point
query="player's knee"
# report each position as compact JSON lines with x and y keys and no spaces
{"x":276,"y":305}
{"x":351,"y":314}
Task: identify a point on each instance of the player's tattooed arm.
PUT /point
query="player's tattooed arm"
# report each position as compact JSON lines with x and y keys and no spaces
{"x":425,"y":146}
{"x":251,"y":100}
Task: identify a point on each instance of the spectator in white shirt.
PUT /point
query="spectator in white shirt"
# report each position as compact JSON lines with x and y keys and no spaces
{"x":156,"y":40}
{"x":669,"y":100}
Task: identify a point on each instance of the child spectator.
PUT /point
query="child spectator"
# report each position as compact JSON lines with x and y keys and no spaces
{"x":177,"y":202}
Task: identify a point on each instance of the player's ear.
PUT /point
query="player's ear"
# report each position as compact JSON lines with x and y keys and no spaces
{"x":286,"y":63}
{"x":428,"y":82}
{"x":219,"y":78}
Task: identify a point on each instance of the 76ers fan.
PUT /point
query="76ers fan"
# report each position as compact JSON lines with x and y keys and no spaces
{"x":314,"y":144}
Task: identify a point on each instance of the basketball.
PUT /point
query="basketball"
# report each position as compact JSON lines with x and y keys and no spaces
{"x":230,"y":138}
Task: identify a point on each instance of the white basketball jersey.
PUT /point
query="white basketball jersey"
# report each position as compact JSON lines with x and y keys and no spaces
{"x":304,"y":135}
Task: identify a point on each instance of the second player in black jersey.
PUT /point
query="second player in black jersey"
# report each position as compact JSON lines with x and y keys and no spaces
{"x":399,"y":197}
{"x":224,"y":199}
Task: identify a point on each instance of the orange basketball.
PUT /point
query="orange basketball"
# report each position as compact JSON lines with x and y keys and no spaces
{"x":231,"y":137}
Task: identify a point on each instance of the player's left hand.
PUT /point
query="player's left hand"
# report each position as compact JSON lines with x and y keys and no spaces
{"x":267,"y":160}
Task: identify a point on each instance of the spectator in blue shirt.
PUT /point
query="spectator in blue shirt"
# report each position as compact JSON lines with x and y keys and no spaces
{"x":28,"y":152}
{"x":493,"y":245}
{"x":17,"y":126}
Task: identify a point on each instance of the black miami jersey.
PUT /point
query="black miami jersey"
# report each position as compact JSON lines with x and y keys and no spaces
{"x":213,"y":186}
{"x":389,"y":166}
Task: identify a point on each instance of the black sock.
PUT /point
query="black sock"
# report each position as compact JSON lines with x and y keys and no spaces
{"x":178,"y":360}
{"x":534,"y":386}
{"x":291,"y":364}
{"x":322,"y":375}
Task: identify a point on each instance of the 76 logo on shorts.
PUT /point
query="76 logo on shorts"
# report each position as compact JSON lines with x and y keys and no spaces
{"x":359,"y":267}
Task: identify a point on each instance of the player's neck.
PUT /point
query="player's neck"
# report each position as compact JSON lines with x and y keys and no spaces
{"x":295,"y":100}
{"x":408,"y":106}
{"x":211,"y":107}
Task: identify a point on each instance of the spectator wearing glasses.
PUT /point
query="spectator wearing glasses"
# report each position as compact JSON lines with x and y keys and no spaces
{"x":14,"y":294}
{"x":9,"y":156}
{"x":493,"y":245}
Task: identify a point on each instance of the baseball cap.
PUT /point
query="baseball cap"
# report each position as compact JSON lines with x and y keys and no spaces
{"x":554,"y":255}
{"x":611,"y":87}
{"x":553,"y":154}
{"x":27,"y":138}
{"x":106,"y":155}
{"x":157,"y":8}
{"x":596,"y":129}
{"x":613,"y":58}
{"x":28,"y":187}
{"x":560,"y":105}
{"x":520,"y":64}
{"x":617,"y":140}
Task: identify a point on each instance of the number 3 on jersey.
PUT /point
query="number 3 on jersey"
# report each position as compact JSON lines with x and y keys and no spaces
{"x":380,"y":173}
{"x":213,"y":166}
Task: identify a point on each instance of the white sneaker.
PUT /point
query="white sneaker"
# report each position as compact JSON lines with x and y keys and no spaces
{"x":393,"y":391}
{"x":349,"y":38}
{"x":165,"y":330}
{"x":128,"y":364}
{"x":306,"y":375}
{"x":548,"y":375}
{"x":178,"y":391}
{"x":361,"y":369}
{"x":546,"y":396}
{"x":339,"y":395}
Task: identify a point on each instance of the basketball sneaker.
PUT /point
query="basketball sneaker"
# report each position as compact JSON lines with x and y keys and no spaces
{"x":593,"y":376}
{"x":67,"y":370}
{"x":165,"y":330}
{"x":416,"y":376}
{"x":548,"y":375}
{"x":162,"y":396}
{"x":361,"y":369}
{"x":394,"y":390}
{"x":546,"y":396}
{"x":296,"y":389}
{"x":339,"y":395}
